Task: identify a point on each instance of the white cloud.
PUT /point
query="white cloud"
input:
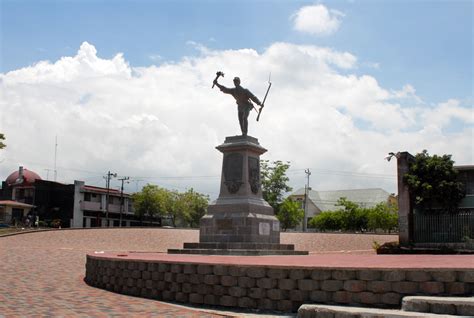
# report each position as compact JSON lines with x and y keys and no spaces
{"x":157,"y":122}
{"x":317,"y":20}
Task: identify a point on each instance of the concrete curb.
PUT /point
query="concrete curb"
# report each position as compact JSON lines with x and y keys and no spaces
{"x":325,"y":311}
{"x":463,"y":306}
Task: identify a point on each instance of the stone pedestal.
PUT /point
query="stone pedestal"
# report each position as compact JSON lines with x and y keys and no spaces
{"x":240,"y":221}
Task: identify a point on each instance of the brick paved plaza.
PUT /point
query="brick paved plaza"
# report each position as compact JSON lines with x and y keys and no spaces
{"x":42,"y":273}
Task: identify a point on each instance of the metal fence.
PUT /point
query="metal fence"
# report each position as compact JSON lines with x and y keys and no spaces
{"x":443,"y":227}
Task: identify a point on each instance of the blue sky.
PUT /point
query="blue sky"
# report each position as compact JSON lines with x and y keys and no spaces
{"x":428,"y":44}
{"x":353,"y":80}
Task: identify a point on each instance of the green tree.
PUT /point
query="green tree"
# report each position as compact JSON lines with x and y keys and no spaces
{"x":351,"y":217}
{"x":2,"y":138}
{"x":147,"y":202}
{"x":192,"y":206}
{"x":289,"y":214}
{"x":328,"y":221}
{"x":383,"y":216}
{"x":274,"y":181}
{"x":432,"y":182}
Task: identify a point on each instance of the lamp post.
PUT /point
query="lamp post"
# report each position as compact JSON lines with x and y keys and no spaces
{"x":121,"y":198}
{"x":306,"y":190}
{"x":109,"y":176}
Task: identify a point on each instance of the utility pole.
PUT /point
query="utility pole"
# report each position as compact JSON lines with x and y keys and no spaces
{"x":306,"y":191}
{"x":109,"y":176}
{"x":55,"y":158}
{"x":121,"y":198}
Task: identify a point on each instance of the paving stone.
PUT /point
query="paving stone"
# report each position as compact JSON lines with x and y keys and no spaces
{"x":393,"y":276}
{"x":211,"y":279}
{"x":355,"y":285}
{"x":299,"y":295}
{"x":246,"y":282}
{"x":256,"y":272}
{"x":368,"y":298}
{"x":196,"y":298}
{"x":277,"y":273}
{"x":266,"y":283}
{"x":204,"y":269}
{"x":277,"y":294}
{"x":256,"y":293}
{"x":343,"y":297}
{"x":378,"y":286}
{"x":169,"y":277}
{"x":267,"y":304}
{"x":332,"y":285}
{"x":284,"y":305}
{"x":237,"y":291}
{"x":174,"y":287}
{"x":211,"y":300}
{"x":238,"y":271}
{"x":391,"y":298}
{"x":343,"y":275}
{"x":297,"y":274}
{"x":321,"y":274}
{"x":221,"y":270}
{"x":146,"y":275}
{"x":229,"y":281}
{"x":418,"y":276}
{"x":168,"y":295}
{"x":432,"y":288}
{"x":219,"y":290}
{"x":189,"y":269}
{"x":151,"y":267}
{"x":203,"y":289}
{"x":371,"y":275}
{"x":405,"y":287}
{"x":196,"y":279}
{"x":456,"y":288}
{"x":246,"y":302}
{"x":307,"y":284}
{"x":186,"y":288}
{"x":163,"y":267}
{"x":182,"y":278}
{"x":181,"y":297}
{"x":466,"y":276}
{"x":228,"y":301}
{"x":444,"y":276}
{"x":176,"y":268}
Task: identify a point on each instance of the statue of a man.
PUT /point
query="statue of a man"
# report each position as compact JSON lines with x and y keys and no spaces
{"x":243,"y":98}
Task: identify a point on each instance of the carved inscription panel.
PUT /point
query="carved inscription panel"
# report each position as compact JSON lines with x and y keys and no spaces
{"x":254,"y":174}
{"x":233,"y":171}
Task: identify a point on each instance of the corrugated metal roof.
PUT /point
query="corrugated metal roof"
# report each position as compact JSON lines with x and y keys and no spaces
{"x":327,"y":200}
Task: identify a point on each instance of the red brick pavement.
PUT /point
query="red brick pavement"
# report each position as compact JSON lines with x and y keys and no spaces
{"x":346,"y":261}
{"x":41,"y":274}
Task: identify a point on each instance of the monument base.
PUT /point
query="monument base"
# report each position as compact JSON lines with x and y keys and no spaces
{"x":237,"y":248}
{"x":240,"y":221}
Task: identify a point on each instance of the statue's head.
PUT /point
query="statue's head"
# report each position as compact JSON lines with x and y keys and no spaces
{"x":236,"y":81}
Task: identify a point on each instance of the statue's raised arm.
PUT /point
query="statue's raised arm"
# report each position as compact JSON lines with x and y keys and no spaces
{"x":243,"y":98}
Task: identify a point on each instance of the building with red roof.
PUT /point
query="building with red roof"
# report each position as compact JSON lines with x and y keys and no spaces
{"x":72,"y":205}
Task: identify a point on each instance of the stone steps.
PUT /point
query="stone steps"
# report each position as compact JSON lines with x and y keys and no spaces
{"x":327,"y":311}
{"x":462,"y":306}
{"x":238,"y":252}
{"x":412,"y":306}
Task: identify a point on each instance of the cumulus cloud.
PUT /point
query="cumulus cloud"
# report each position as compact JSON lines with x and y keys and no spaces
{"x":161,"y":123}
{"x":317,"y":20}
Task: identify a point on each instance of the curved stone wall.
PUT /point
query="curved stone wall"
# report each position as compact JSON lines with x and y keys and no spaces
{"x":271,"y":288}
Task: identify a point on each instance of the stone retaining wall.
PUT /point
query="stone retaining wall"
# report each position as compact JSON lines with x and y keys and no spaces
{"x":271,"y":288}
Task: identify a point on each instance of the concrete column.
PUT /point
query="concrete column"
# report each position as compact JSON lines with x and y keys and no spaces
{"x":405,"y":213}
{"x":78,"y":213}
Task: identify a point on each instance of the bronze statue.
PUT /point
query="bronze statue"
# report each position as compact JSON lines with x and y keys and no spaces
{"x":243,"y":98}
